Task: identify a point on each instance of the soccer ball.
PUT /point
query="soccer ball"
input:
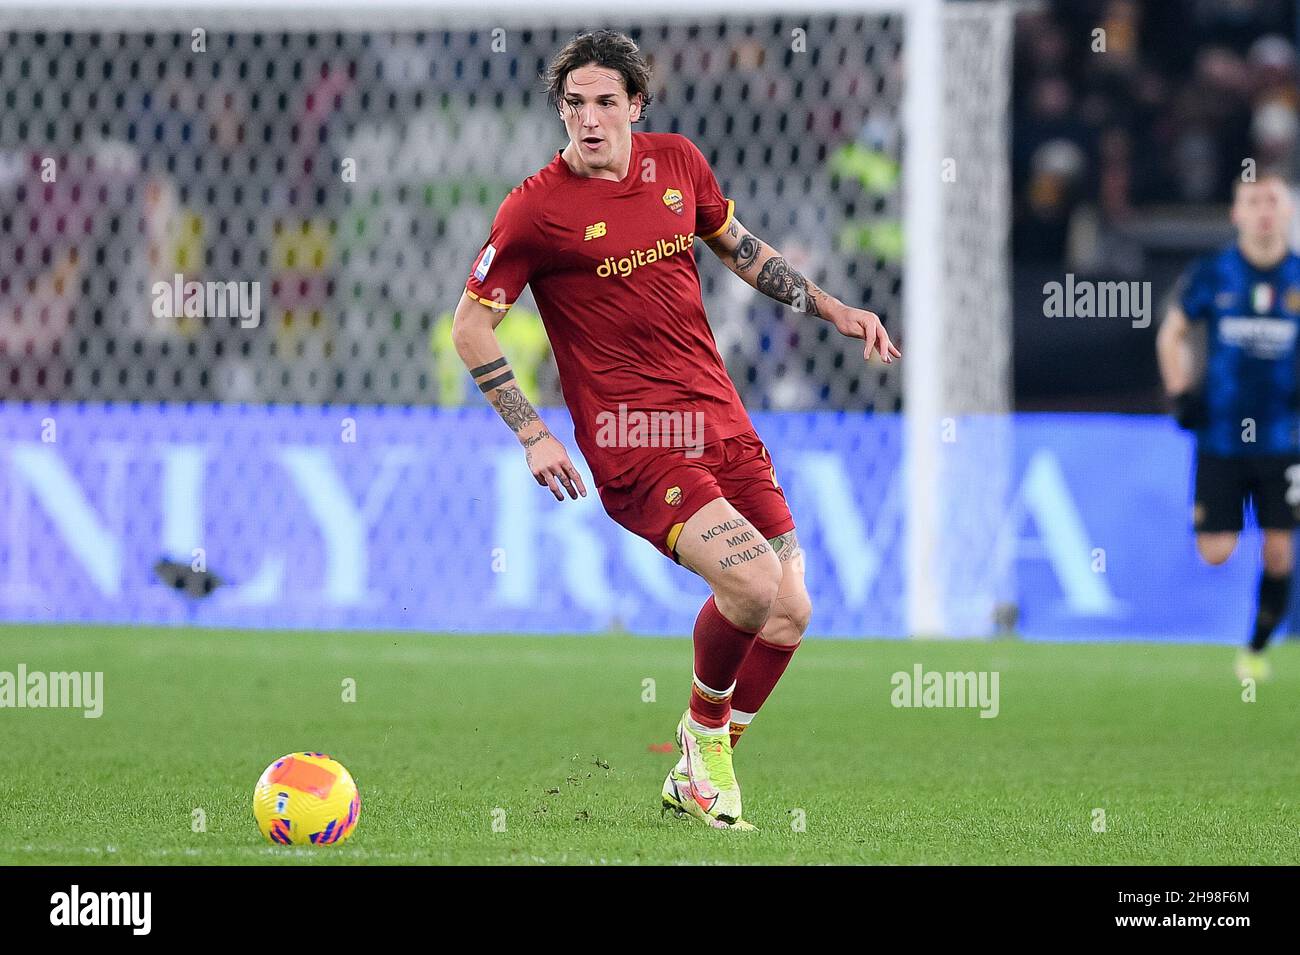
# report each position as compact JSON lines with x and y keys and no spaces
{"x":306,"y":799}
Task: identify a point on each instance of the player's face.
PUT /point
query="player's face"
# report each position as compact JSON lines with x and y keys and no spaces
{"x":598,"y":115}
{"x":1262,"y":210}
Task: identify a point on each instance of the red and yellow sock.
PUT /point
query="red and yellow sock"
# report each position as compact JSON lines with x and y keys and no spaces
{"x":758,"y":676}
{"x":720,"y":650}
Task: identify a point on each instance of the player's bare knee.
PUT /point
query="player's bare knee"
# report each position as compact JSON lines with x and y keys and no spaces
{"x":760,"y":594}
{"x":1279,"y":567}
{"x":798,"y":608}
{"x":767,"y":583}
{"x":746,"y":599}
{"x":789,"y":619}
{"x":743,"y":610}
{"x":1279,"y":555}
{"x":1216,"y":548}
{"x":1215,"y":554}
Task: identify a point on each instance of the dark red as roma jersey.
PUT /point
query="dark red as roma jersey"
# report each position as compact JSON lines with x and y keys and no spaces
{"x":612,"y":267}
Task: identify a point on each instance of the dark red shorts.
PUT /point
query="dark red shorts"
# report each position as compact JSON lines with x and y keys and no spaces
{"x":665,"y":487}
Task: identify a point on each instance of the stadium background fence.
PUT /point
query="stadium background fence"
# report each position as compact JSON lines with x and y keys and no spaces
{"x":350,"y":166}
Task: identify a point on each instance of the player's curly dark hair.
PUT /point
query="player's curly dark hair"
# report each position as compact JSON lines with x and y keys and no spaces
{"x":614,"y":51}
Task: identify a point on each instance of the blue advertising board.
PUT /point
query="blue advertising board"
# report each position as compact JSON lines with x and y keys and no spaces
{"x":428,"y":519}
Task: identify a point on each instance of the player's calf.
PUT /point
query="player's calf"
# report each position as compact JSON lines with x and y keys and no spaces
{"x":774,"y":647}
{"x":721,"y":545}
{"x":1278,"y":553}
{"x":1274,"y":587}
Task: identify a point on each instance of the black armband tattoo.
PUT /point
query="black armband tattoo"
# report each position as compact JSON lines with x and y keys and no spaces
{"x":482,"y":370}
{"x":497,"y":382}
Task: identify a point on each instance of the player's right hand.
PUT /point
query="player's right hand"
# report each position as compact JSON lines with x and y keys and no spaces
{"x":1189,"y":410}
{"x":867,"y":326}
{"x":551,"y":466}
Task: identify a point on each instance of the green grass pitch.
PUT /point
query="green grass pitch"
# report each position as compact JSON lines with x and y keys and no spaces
{"x":446,"y":729}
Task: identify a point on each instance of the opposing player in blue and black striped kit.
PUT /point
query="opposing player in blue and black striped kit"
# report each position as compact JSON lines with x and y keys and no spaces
{"x":1241,"y":402}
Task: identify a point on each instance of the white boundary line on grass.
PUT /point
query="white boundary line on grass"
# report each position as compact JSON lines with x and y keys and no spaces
{"x":307,"y":852}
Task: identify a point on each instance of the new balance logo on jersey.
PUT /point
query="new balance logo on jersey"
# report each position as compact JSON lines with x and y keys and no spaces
{"x":485,"y":263}
{"x":594,"y":232}
{"x":627,"y":264}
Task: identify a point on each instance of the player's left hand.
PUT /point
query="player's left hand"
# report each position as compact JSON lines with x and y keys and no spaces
{"x":860,"y":323}
{"x":551,"y":466}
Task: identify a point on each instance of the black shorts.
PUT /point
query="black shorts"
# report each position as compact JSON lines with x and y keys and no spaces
{"x":1223,"y":485}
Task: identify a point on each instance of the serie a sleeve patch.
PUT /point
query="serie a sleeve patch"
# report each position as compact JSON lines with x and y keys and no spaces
{"x":485,"y":262}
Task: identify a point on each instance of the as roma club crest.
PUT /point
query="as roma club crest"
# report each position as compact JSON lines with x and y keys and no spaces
{"x":673,"y":497}
{"x":673,"y":200}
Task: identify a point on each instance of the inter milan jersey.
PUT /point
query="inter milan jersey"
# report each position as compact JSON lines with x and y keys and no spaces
{"x":612,"y":267}
{"x":1251,"y":317}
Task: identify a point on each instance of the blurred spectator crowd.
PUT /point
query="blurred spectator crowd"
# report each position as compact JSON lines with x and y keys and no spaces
{"x":1121,"y":106}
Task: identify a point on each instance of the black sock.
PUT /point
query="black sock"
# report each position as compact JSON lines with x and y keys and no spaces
{"x":1273,"y":594}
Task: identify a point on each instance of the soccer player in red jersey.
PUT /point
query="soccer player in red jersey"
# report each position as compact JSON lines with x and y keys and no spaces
{"x":605,"y":235}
